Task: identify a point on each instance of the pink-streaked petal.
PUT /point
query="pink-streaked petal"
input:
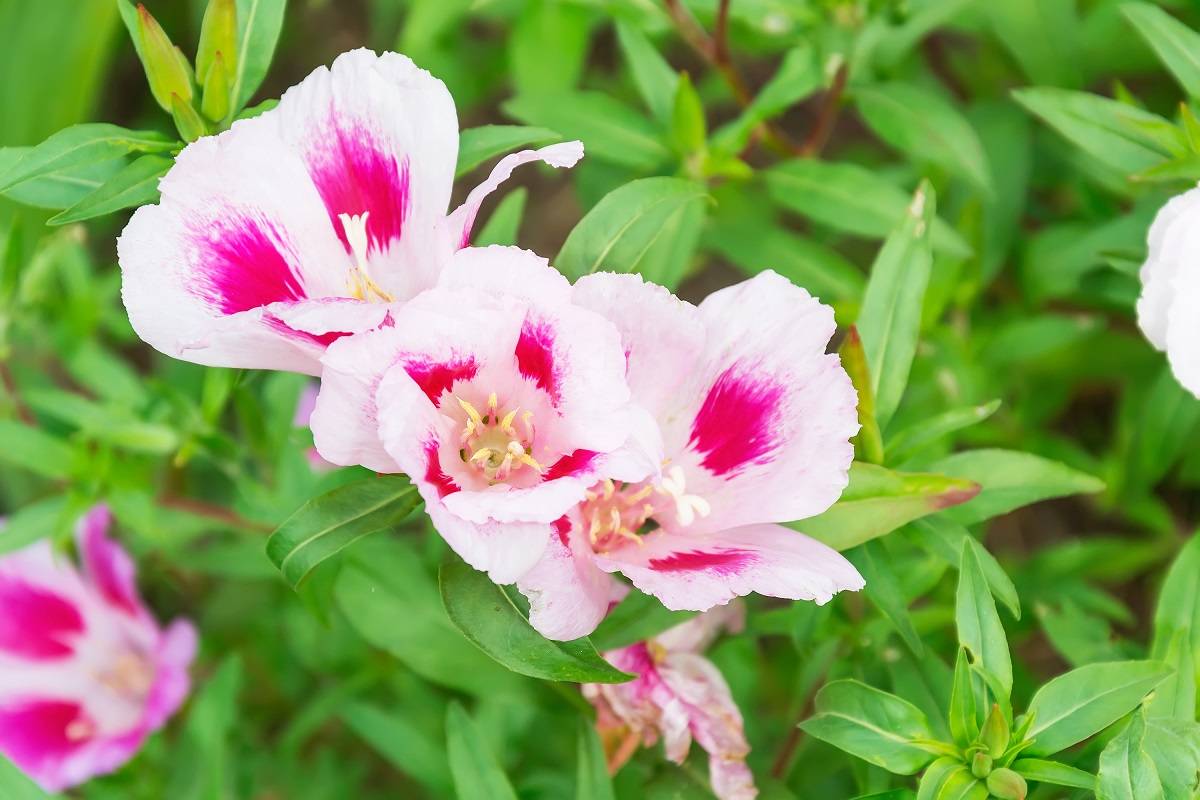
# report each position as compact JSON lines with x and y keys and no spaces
{"x":330,"y":318}
{"x":379,"y":135}
{"x":574,"y":464}
{"x":695,"y":573}
{"x":543,"y":503}
{"x":661,"y":335}
{"x":499,"y":269}
{"x":762,"y":432}
{"x":240,"y":226}
{"x":435,"y":377}
{"x":535,"y":356}
{"x":36,"y":735}
{"x":458,"y":225}
{"x":568,"y":595}
{"x":108,"y":566}
{"x":37,"y":623}
{"x":174,"y":656}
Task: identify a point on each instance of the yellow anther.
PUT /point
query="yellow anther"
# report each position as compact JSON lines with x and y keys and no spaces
{"x":640,"y":495}
{"x":506,"y":423}
{"x":476,"y":421}
{"x":609,"y":488}
{"x":493,"y":403}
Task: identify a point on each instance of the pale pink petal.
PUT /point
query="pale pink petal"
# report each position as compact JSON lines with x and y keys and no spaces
{"x":568,"y":594}
{"x":762,"y":434}
{"x":1173,"y":244}
{"x":505,"y":551}
{"x":108,"y":566}
{"x":172,"y":683}
{"x":379,"y":136}
{"x":661,"y":335}
{"x":697,"y":572}
{"x":1183,"y":322}
{"x":506,"y":270}
{"x":458,"y":225}
{"x":305,"y":404}
{"x":697,"y":633}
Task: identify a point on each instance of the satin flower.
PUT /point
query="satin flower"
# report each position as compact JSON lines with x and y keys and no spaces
{"x":1168,"y":310}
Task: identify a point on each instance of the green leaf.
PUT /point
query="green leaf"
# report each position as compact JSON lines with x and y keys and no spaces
{"x":884,"y":592}
{"x":618,"y":231}
{"x":548,"y":46}
{"x":654,"y":78}
{"x":477,"y":773}
{"x":1085,"y":701}
{"x":978,"y":622}
{"x":135,"y":185}
{"x":1177,"y":633}
{"x":944,"y":538}
{"x":592,"y":781}
{"x":1126,"y":770}
{"x":1176,"y":697}
{"x":203,"y":765}
{"x":1177,"y":45}
{"x":1041,"y":771}
{"x":688,"y":128}
{"x":35,"y":450}
{"x":15,"y":786}
{"x":964,"y":716}
{"x":1010,"y":480}
{"x":929,"y":430}
{"x":934,"y":778}
{"x":1164,"y":419}
{"x":878,"y":501}
{"x":847,"y":197}
{"x":504,"y":223}
{"x":639,"y":616}
{"x":401,"y":743}
{"x":477,"y":145}
{"x":798,"y":76}
{"x":259,"y":23}
{"x":58,"y":190}
{"x":80,"y":145}
{"x":1042,"y":35}
{"x":868,"y":443}
{"x":388,"y":596}
{"x":890,"y":319}
{"x":326,"y":525}
{"x":875,"y":726}
{"x":610,"y":130}
{"x":36,"y":521}
{"x":488,"y":618}
{"x":1174,"y":746}
{"x":924,"y":126}
{"x":1123,"y":136}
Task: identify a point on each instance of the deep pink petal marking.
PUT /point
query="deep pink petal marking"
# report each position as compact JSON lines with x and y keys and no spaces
{"x":734,"y":425}
{"x":571,"y":464}
{"x":562,"y":527}
{"x":727,"y":561}
{"x":318,"y":339}
{"x":33,"y":734}
{"x":36,"y":623}
{"x":535,"y":356}
{"x":434,"y":473}
{"x":436,"y":377}
{"x":354,"y":173}
{"x":108,"y":565}
{"x":241,"y":265}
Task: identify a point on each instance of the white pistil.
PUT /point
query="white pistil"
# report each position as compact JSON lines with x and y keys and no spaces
{"x":360,"y":284}
{"x":688,"y":507}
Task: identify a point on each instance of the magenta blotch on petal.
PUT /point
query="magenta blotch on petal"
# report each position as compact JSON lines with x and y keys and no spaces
{"x":735,"y":424}
{"x":36,"y":623}
{"x":243,"y":266}
{"x":535,"y":356}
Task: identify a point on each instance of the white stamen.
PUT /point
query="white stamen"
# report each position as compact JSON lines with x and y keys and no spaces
{"x":688,"y":507}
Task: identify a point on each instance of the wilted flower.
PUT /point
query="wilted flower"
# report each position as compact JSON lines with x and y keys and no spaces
{"x":86,"y":673}
{"x":680,"y":696}
{"x":755,"y":420}
{"x":501,"y":399}
{"x":1168,"y":308}
{"x":306,"y":222}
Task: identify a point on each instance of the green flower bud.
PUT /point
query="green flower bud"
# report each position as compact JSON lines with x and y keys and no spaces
{"x":994,"y":735}
{"x":166,"y":69}
{"x":981,"y":765}
{"x":1005,"y":784}
{"x":218,"y":36}
{"x":187,"y":121}
{"x":215,"y":104}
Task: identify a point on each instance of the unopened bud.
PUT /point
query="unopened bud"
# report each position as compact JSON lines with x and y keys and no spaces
{"x":981,"y":765}
{"x":215,"y":104}
{"x":1005,"y":784}
{"x":994,"y":735}
{"x":218,"y":35}
{"x":166,"y":68}
{"x":189,"y":124}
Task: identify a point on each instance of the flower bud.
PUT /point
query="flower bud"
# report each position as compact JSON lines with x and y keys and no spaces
{"x":981,"y":765}
{"x":215,"y":104}
{"x":166,"y":69}
{"x":994,"y":735}
{"x":189,"y":124}
{"x":1005,"y":784}
{"x":218,"y":36}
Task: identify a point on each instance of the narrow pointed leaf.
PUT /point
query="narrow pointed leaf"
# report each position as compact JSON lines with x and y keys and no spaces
{"x":875,"y":726}
{"x":592,"y":781}
{"x":135,"y":185}
{"x":978,"y":623}
{"x":476,"y":772}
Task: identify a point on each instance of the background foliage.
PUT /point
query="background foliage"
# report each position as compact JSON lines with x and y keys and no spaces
{"x":968,"y":182}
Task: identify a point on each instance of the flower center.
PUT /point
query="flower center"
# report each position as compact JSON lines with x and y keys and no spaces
{"x":359,"y":285}
{"x":492,"y":443}
{"x":615,"y":513}
{"x":130,"y":676}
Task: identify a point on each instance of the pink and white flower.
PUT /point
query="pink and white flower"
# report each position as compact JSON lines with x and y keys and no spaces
{"x":307,"y":222}
{"x":501,"y":399}
{"x":678,"y":695}
{"x":86,"y":673}
{"x":1169,"y":308}
{"x":755,"y":419}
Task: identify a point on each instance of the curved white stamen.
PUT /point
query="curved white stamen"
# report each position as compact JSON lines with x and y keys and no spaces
{"x":355,"y":227}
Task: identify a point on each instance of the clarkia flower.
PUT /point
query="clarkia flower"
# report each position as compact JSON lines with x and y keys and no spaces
{"x":755,"y":419}
{"x":307,"y":222}
{"x":678,"y":695}
{"x":1169,"y":308}
{"x":86,"y":673}
{"x":501,"y":399}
